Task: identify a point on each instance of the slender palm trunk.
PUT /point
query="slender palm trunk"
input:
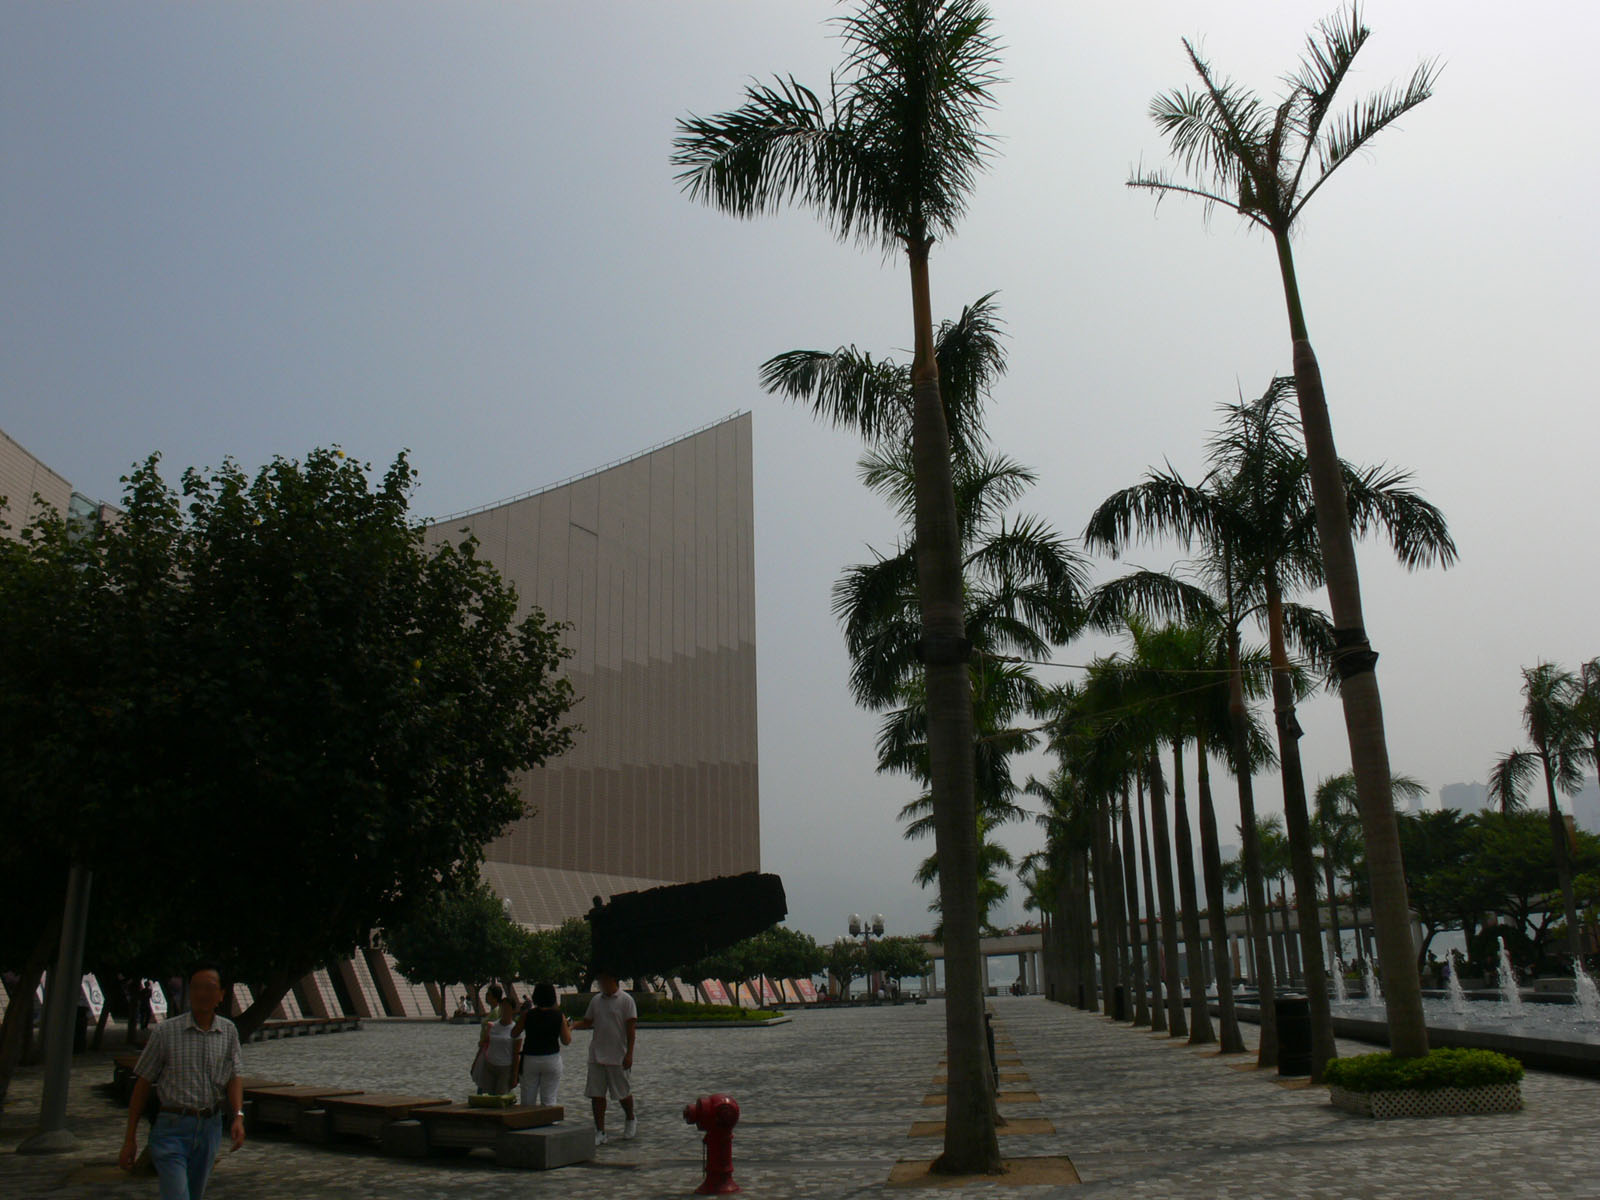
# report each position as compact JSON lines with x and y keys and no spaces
{"x":1563,"y":852}
{"x":1130,"y":880}
{"x":970,"y":1143}
{"x":1177,"y":1025}
{"x":1254,"y":885}
{"x":1200,"y":1031}
{"x":1119,"y":912}
{"x":1216,"y":906}
{"x":1158,"y":1011}
{"x":1086,"y":931}
{"x":1335,"y":934}
{"x":1100,"y":857}
{"x":1298,"y":821}
{"x":1356,"y":663}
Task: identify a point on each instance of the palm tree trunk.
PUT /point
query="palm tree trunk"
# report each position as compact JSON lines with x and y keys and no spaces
{"x":1119,"y":913}
{"x":1158,"y":1012}
{"x":970,"y":1144}
{"x":1563,"y":852}
{"x":1176,"y":1024}
{"x":1297,"y":819}
{"x":1216,"y":905}
{"x":1086,"y":930}
{"x":1254,"y":885}
{"x":1141,"y":997}
{"x":1356,"y":663}
{"x":1100,"y":855}
{"x":1200,"y":1031}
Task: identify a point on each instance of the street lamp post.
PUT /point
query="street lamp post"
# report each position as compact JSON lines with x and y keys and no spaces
{"x":865,"y":930}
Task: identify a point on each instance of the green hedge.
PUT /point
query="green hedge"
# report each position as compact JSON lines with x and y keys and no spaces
{"x":652,"y":1008}
{"x":1437,"y":1069}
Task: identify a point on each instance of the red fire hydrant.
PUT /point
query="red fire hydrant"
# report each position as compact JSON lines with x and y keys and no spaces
{"x":715,"y":1116}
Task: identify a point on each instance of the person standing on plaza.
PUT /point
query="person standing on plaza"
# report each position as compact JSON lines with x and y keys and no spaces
{"x":194,"y":1065}
{"x":499,"y":1044}
{"x":544,"y":1029}
{"x":614,"y":1018}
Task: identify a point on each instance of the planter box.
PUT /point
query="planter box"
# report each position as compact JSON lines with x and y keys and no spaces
{"x":1440,"y":1102}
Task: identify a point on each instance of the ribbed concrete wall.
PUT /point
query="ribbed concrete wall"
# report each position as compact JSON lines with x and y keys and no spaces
{"x":21,"y":477}
{"x":651,"y":562}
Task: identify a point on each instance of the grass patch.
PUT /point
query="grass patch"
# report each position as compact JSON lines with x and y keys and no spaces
{"x":1383,"y":1072}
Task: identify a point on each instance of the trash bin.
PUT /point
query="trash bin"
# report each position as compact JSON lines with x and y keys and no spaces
{"x":1294,"y":1034}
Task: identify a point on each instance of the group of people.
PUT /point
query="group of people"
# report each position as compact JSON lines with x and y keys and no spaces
{"x":521,"y":1048}
{"x":193,"y":1065}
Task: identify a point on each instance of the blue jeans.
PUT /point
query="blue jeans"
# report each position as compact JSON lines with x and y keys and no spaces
{"x":183,"y":1149}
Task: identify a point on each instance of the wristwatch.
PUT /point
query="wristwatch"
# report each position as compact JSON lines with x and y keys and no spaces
{"x":238,"y":1114}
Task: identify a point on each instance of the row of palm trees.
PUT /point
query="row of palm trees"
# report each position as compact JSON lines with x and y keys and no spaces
{"x":889,"y":158}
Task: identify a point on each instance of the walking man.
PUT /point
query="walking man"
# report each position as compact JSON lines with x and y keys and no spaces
{"x":614,"y":1018}
{"x":193,"y":1063}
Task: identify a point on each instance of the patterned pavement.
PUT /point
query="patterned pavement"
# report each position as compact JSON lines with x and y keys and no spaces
{"x":829,"y":1101}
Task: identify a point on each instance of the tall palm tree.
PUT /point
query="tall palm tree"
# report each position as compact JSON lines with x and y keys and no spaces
{"x":890,"y":159}
{"x":1337,"y":830}
{"x":1550,"y":714}
{"x":1265,"y":162}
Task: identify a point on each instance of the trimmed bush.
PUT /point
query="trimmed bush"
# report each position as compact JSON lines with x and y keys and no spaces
{"x":1383,"y":1072}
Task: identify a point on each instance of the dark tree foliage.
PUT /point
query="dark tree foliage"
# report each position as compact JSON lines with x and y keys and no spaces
{"x":777,"y":953}
{"x":560,"y":955}
{"x":461,"y":936}
{"x":898,"y":957}
{"x":653,"y":931}
{"x":282,"y":714}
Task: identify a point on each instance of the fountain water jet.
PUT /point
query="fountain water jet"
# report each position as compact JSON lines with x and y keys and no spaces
{"x":1458,"y":997}
{"x":1588,"y":994}
{"x":1370,"y":976}
{"x":1510,"y":994}
{"x":1340,"y":992}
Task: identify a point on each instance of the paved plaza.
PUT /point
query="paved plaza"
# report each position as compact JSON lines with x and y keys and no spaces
{"x":829,"y":1101}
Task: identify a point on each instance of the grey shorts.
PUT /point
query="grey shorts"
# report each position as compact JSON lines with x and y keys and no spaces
{"x":603,"y":1079}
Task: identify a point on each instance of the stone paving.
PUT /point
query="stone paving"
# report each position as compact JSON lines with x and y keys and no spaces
{"x":829,"y":1100}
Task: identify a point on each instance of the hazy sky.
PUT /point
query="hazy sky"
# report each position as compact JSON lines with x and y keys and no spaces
{"x":250,"y":229}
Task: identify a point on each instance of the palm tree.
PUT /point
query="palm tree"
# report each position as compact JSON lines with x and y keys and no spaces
{"x":1550,"y":714}
{"x":890,"y":160}
{"x":1265,"y":162}
{"x":1255,"y":518}
{"x":1337,"y":830}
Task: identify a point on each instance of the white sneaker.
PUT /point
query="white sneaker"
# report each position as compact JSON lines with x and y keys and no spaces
{"x":599,"y":1137}
{"x":630,"y":1128}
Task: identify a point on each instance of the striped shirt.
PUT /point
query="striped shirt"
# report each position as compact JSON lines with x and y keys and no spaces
{"x":188,"y":1066}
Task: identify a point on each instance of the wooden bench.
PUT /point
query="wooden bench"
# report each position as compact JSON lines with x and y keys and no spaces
{"x":464,"y":1125}
{"x":366,"y":1113}
{"x":282,"y":1105}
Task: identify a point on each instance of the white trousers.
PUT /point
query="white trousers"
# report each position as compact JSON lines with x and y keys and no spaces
{"x":541,"y":1079}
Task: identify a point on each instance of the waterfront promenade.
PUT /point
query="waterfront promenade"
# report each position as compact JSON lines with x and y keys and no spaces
{"x":830,"y":1099}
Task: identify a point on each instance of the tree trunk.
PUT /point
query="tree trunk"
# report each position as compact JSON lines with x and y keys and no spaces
{"x":1254,"y":885}
{"x":1563,"y":852}
{"x":1177,"y":1025}
{"x":1158,"y":1011}
{"x":19,"y":1002}
{"x":1088,"y":1000}
{"x":1141,"y":996}
{"x":1100,"y":872}
{"x":1119,"y":909}
{"x":970,"y":1144}
{"x":1216,"y":905}
{"x":1356,"y":663}
{"x":1298,"y":821}
{"x":1200,"y":1031}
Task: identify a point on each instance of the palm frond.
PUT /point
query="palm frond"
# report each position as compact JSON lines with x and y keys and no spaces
{"x":1352,"y":130}
{"x":1509,"y":779}
{"x":1148,"y":595}
{"x":1163,"y":504}
{"x":845,"y":387}
{"x":1378,"y":498}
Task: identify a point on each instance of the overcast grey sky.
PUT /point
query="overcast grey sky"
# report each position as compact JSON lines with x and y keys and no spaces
{"x":250,"y":229}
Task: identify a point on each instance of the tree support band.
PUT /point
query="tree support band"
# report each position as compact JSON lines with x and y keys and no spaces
{"x":1352,"y":653}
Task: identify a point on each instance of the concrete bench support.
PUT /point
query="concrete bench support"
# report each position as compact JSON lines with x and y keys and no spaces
{"x":544,"y":1148}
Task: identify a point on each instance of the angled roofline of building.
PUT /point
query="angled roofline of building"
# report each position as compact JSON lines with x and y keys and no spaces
{"x":571,"y":479}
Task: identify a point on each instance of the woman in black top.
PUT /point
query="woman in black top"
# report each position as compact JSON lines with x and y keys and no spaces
{"x":544,"y":1029}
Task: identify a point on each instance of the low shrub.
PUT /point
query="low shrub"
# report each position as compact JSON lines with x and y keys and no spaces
{"x":1437,"y":1069}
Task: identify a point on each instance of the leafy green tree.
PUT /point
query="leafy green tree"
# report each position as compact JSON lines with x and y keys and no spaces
{"x":285,"y":654}
{"x":846,"y":961}
{"x":890,"y":160}
{"x":898,"y":958}
{"x":1551,"y":713}
{"x":560,"y":955}
{"x":1436,"y":846}
{"x":1265,"y":161}
{"x":463,"y":936}
{"x":1337,"y":830}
